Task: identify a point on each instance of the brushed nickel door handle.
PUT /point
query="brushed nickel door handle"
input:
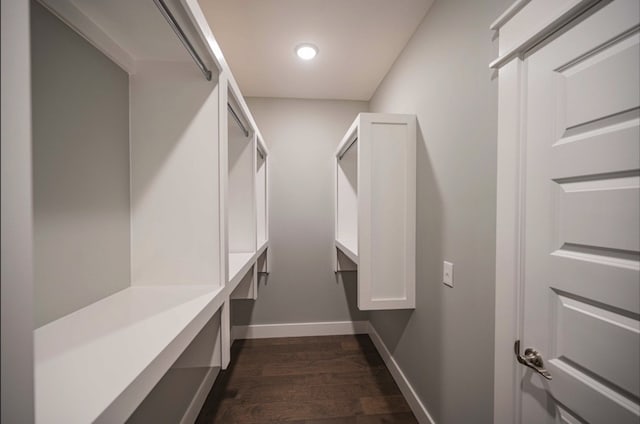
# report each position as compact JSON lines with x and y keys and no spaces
{"x":532,"y":359}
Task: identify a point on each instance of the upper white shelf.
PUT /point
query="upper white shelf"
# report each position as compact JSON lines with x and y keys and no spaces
{"x":132,"y":31}
{"x":98,"y":363}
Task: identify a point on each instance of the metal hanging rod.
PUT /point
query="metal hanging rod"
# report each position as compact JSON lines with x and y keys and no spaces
{"x":238,"y":120}
{"x":344,"y":152}
{"x":162,"y":6}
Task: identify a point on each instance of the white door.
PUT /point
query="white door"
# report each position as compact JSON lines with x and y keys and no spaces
{"x":582,"y":221}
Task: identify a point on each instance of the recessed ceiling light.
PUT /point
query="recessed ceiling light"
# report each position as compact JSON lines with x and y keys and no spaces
{"x":306,"y":51}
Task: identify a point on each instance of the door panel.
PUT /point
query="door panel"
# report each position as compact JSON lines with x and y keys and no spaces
{"x":598,"y":403}
{"x":595,"y":144}
{"x":582,"y":271}
{"x":600,"y":212}
{"x":584,"y":335}
{"x":609,"y":76}
{"x":582,"y":221}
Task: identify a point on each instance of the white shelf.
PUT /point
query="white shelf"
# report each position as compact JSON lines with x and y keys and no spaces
{"x":350,"y":252}
{"x":262,"y":248}
{"x":130,"y":32}
{"x":98,"y":363}
{"x":239,"y":264}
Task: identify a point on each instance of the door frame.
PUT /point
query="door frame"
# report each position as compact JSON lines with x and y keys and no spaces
{"x":521,"y":28}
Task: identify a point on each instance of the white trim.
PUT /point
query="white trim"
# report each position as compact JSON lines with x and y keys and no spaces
{"x":417,"y":407}
{"x":542,"y":30}
{"x":508,"y":14}
{"x":191,"y":414}
{"x":508,"y":241}
{"x":199,"y":21}
{"x":307,"y":329}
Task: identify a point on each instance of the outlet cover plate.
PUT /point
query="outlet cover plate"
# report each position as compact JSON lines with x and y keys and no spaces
{"x":447,"y":274}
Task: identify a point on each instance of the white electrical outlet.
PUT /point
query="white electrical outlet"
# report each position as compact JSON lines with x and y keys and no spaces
{"x":447,"y":274}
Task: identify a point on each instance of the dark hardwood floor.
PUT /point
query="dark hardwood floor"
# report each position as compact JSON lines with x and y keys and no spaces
{"x":306,"y":380}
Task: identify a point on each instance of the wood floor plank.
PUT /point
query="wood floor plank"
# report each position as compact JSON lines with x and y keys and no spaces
{"x":377,"y":377}
{"x":343,"y":363}
{"x":374,"y":405}
{"x":397,"y":418}
{"x":254,"y":356}
{"x":293,"y":393}
{"x":306,"y":380}
{"x":288,"y":411}
{"x":339,"y":420}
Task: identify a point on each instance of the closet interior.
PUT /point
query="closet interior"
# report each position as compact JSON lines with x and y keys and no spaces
{"x":150,"y":209}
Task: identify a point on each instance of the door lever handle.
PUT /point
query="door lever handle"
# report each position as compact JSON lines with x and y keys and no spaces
{"x":532,"y":359}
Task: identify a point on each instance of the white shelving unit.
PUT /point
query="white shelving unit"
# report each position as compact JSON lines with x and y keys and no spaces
{"x":98,"y":363}
{"x":193,"y":228}
{"x":241,"y":199}
{"x":246,"y":199}
{"x":262,"y":207}
{"x":262,"y":214}
{"x":375,"y":209}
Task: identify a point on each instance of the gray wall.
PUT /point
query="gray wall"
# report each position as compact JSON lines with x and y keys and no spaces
{"x":81,"y":170}
{"x":302,"y":136}
{"x":16,"y":217}
{"x":445,"y":346}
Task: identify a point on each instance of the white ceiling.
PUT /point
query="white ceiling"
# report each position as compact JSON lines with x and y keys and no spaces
{"x":358,"y":42}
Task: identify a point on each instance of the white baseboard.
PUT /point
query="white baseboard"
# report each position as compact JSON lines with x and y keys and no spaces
{"x":309,"y":329}
{"x":418,"y":409}
{"x":339,"y":328}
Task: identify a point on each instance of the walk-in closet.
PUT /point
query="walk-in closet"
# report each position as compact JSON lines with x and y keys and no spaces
{"x":320,"y":211}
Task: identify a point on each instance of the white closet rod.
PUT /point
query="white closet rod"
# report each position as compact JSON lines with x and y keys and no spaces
{"x":238,"y":120}
{"x":183,"y":38}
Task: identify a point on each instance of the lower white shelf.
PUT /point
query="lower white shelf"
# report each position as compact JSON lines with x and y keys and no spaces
{"x":98,"y":363}
{"x":350,"y":252}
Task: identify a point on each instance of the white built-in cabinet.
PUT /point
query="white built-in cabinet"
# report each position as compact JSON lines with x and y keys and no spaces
{"x":375,"y":209}
{"x":246,"y":203}
{"x":199,"y":236}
